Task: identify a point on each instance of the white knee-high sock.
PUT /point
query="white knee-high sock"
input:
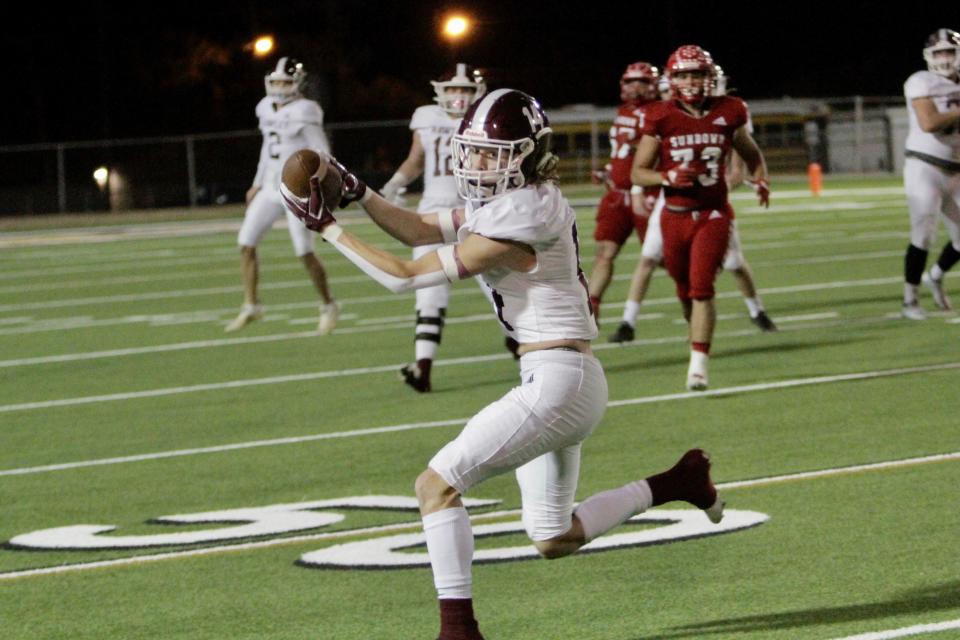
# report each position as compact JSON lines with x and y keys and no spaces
{"x":450,"y":545}
{"x":603,"y":511}
{"x":631,"y":310}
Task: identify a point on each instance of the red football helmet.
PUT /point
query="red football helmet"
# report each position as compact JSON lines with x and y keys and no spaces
{"x":503,"y":143}
{"x":690,"y":57}
{"x":470,"y":84}
{"x":646,"y":89}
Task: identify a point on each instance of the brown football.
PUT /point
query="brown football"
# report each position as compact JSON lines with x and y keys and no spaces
{"x":303,"y":165}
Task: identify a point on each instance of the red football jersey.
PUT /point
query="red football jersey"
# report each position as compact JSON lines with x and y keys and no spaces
{"x":624,"y":136}
{"x":703,"y":143}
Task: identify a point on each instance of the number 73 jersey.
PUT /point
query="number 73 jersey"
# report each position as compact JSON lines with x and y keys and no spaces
{"x":702,"y":143}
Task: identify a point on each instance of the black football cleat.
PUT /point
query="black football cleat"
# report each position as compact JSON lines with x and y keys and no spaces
{"x":624,"y":333}
{"x":417,"y":375}
{"x":763,"y":322}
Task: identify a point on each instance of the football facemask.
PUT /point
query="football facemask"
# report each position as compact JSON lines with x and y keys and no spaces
{"x":458,"y":90}
{"x":943,"y":40}
{"x":285,"y":82}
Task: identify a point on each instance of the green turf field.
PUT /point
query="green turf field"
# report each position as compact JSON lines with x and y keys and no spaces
{"x":123,"y":401}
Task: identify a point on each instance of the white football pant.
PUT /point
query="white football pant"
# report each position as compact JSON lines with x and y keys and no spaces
{"x":265,"y":209}
{"x":535,"y":429}
{"x":931,"y":190}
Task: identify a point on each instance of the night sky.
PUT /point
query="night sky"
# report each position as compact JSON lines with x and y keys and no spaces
{"x":123,"y":69}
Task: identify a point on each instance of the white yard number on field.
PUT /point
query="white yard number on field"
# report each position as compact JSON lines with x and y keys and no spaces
{"x":384,"y":552}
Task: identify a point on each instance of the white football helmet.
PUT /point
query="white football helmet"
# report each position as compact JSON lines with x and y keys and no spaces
{"x":471,"y":85}
{"x":286,"y":81}
{"x":719,"y":81}
{"x":942,"y":40}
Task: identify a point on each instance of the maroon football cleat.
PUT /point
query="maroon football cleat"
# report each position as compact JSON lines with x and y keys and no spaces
{"x":457,"y":621}
{"x":417,"y":375}
{"x":689,"y":480}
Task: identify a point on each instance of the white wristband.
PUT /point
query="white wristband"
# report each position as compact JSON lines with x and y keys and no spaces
{"x":636,"y":190}
{"x":331,"y":232}
{"x":448,"y":225}
{"x":448,"y":260}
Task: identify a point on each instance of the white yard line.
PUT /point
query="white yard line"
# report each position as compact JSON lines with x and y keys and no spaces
{"x":275,"y":542}
{"x":71,"y":322}
{"x":904,"y":632}
{"x":691,"y":395}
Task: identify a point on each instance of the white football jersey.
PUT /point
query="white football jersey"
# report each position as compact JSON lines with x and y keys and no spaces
{"x":945,"y":94}
{"x":288,"y":128}
{"x":550,"y":302}
{"x":435,"y":129}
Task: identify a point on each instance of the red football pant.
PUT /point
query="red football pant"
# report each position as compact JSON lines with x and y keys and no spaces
{"x":615,"y":219}
{"x":694,"y":244}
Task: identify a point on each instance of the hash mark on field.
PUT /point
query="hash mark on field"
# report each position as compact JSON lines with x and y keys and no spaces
{"x":867,"y":375}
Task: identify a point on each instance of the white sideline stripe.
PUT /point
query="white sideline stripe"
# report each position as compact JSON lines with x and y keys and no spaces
{"x":757,"y":482}
{"x":903,"y":632}
{"x":783,"y":384}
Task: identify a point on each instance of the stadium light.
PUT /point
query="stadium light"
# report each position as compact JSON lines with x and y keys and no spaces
{"x":456,"y":27}
{"x":100,"y":176}
{"x":262,"y":46}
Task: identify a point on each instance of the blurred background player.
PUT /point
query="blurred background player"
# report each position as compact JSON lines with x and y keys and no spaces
{"x":652,"y":252}
{"x":931,"y":169}
{"x":684,"y":148}
{"x":289,"y":122}
{"x":622,"y":209}
{"x":433,"y":126}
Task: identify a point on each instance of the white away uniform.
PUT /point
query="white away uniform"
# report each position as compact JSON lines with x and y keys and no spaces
{"x":536,"y":428}
{"x":931,"y":170}
{"x":286,"y":129}
{"x":434,"y":128}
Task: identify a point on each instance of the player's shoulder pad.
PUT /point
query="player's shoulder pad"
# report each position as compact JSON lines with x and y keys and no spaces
{"x":532,"y":215}
{"x":264,"y":107}
{"x":431,"y":115}
{"x":920,"y":84}
{"x":306,"y":111}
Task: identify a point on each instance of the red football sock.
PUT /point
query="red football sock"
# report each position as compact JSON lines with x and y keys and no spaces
{"x":702,"y":347}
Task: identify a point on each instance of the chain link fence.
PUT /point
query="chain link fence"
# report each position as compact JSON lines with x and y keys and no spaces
{"x":854,"y":134}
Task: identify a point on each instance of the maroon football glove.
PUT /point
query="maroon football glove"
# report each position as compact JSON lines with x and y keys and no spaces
{"x":762,"y":187}
{"x":681,"y":177}
{"x":312,"y":211}
{"x":353,"y":187}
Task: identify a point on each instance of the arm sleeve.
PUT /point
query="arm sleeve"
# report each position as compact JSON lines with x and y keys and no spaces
{"x":394,"y":283}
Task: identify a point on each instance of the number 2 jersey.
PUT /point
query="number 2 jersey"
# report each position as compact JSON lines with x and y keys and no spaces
{"x":435,"y":129}
{"x":702,"y":143}
{"x":945,"y":94}
{"x":550,"y":301}
{"x":286,"y":128}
